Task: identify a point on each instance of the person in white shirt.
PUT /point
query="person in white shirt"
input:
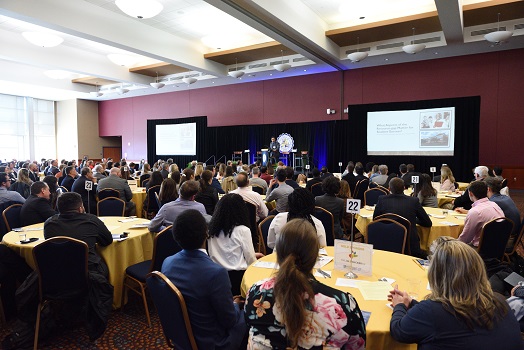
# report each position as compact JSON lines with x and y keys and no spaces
{"x":230,"y":244}
{"x":301,"y":205}
{"x":249,"y":195}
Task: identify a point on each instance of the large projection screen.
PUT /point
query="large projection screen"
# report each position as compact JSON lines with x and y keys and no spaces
{"x":176,"y":139}
{"x":420,"y":132}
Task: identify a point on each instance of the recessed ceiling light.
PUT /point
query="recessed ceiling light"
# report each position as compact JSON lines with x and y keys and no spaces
{"x":436,"y":53}
{"x":386,"y":59}
{"x":305,"y":70}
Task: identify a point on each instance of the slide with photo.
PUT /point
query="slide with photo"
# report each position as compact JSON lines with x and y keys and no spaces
{"x":418,"y":132}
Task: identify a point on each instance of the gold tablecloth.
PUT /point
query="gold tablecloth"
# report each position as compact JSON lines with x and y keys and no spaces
{"x":118,"y":255}
{"x":139,"y":196}
{"x":427,"y":234}
{"x":385,"y":264}
{"x":442,"y":197}
{"x":463,"y":185}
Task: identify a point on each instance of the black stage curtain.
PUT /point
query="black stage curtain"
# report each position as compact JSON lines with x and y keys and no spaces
{"x":351,"y":137}
{"x":201,"y":127}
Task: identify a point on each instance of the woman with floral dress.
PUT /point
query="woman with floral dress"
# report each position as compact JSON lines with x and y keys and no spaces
{"x":293,"y":309}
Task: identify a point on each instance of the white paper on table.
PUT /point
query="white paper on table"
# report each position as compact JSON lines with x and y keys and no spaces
{"x":141,"y":225}
{"x":366,"y":215}
{"x":374,"y":290}
{"x":318,"y":274}
{"x":428,"y":287}
{"x":346,"y":282}
{"x":322,"y":261}
{"x":116,"y":237}
{"x":128,"y":220}
{"x":389,"y":280}
{"x":266,"y":264}
{"x":33,"y":229}
{"x":453,"y":195}
{"x":460,"y":217}
{"x":448,"y":223}
{"x":322,"y":251}
{"x":437,"y":216}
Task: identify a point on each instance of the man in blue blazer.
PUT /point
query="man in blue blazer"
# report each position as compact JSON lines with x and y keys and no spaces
{"x":217,"y":321}
{"x":408,"y":207}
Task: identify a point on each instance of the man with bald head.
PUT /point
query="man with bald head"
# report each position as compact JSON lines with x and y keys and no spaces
{"x":115,"y":182}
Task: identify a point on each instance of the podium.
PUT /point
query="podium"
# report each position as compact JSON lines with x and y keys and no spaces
{"x":265,"y":156}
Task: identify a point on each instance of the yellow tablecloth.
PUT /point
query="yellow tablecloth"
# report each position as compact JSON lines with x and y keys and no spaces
{"x":139,"y":196}
{"x":427,"y":234}
{"x":463,"y":185}
{"x":442,"y":197}
{"x":385,"y":264}
{"x":118,"y":255}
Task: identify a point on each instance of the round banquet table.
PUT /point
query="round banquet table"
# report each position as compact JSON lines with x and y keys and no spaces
{"x":118,"y":256}
{"x":139,"y":196}
{"x":443,"y":197}
{"x":385,"y":264}
{"x":427,"y":234}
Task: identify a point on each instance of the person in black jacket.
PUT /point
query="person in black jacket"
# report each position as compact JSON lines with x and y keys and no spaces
{"x":408,"y":207}
{"x":70,"y":177}
{"x":37,"y":207}
{"x":207,"y":194}
{"x":79,"y":186}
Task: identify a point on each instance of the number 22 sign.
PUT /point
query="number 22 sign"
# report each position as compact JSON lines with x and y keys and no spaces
{"x":353,"y":206}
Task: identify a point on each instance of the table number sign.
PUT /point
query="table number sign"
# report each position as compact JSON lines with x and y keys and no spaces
{"x":414,"y":179}
{"x":362,"y":257}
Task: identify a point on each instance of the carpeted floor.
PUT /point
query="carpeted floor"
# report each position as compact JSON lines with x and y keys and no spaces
{"x":125,"y":330}
{"x":128,"y":329}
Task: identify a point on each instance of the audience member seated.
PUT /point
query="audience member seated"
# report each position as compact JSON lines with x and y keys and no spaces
{"x":302,"y":206}
{"x":256,"y":180}
{"x":155,"y":180}
{"x":424,"y":191}
{"x":79,"y":186}
{"x":169,"y":212}
{"x":374,"y":172}
{"x":165,"y":170}
{"x":98,"y":172}
{"x":407,"y":177}
{"x":481,"y":212}
{"x":301,"y":180}
{"x":52,"y":182}
{"x":264,"y":175}
{"x":447,"y":181}
{"x":382,"y":177}
{"x":250,"y":196}
{"x":33,"y":172}
{"x":217,"y":320}
{"x":70,"y":176}
{"x":402,"y":170}
{"x":215,"y":183}
{"x":168,"y":191}
{"x":330,"y":202}
{"x":207,"y":194}
{"x":22,"y":184}
{"x":115,"y":182}
{"x":324,"y":172}
{"x":230,"y":244}
{"x":8,"y":196}
{"x":505,"y":203}
{"x":228,"y":182}
{"x":279,"y":194}
{"x":464,"y":201}
{"x":292,"y":309}
{"x":13,"y":270}
{"x":408,"y":207}
{"x":315,"y":180}
{"x":37,"y":208}
{"x":289,"y":177}
{"x":516,"y":304}
{"x":350,"y":177}
{"x":462,"y":311}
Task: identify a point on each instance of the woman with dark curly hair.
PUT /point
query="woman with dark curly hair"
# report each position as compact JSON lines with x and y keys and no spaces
{"x":329,"y":201}
{"x":230,"y":244}
{"x":301,"y":206}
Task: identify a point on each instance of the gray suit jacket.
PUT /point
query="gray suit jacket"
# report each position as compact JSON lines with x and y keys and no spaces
{"x":117,"y":183}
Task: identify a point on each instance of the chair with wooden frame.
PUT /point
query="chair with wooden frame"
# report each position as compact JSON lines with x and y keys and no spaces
{"x":172,"y":311}
{"x":494,"y":237}
{"x":328,"y":222}
{"x":316,"y":189}
{"x":108,"y":192}
{"x":387,"y":234}
{"x":257,"y":188}
{"x":263,"y":229}
{"x":111,"y":207}
{"x":11,"y":216}
{"x":164,"y":245}
{"x":401,"y":220}
{"x":517,"y":240}
{"x":372,"y":195}
{"x":360,"y":188}
{"x":151,"y":206}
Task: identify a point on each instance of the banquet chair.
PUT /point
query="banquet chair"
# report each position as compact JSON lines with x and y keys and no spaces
{"x":157,"y":198}
{"x":263,"y":229}
{"x":510,"y":252}
{"x":387,"y":234}
{"x":11,"y":216}
{"x":494,"y":237}
{"x":401,"y":220}
{"x":3,"y":226}
{"x":172,"y":311}
{"x":108,"y":192}
{"x":252,"y":210}
{"x":145,"y":182}
{"x":142,"y":178}
{"x":258,"y":189}
{"x":328,"y":222}
{"x":151,"y":206}
{"x":164,"y":245}
{"x":372,"y":195}
{"x":61,"y":264}
{"x":360,"y":188}
{"x":63,"y":189}
{"x":2,"y":313}
{"x":111,"y":207}
{"x":316,"y":189}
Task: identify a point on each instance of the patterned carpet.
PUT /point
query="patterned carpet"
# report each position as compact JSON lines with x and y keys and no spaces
{"x":125,"y":330}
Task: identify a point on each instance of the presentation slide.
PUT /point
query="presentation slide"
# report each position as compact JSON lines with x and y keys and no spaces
{"x":421,"y":132}
{"x":176,"y":139}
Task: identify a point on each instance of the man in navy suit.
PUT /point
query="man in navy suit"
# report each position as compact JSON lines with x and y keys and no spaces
{"x":409,"y":207}
{"x":217,"y":321}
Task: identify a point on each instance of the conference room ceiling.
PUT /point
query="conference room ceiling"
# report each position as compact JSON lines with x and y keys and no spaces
{"x":206,"y":39}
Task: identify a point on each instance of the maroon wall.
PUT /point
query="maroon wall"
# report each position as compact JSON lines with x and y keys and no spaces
{"x":497,"y":77}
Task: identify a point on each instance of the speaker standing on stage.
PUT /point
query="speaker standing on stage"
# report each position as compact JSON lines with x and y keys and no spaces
{"x":274,"y":150}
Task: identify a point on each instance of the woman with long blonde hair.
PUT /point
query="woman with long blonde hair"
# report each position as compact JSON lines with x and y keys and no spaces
{"x":461,"y":312}
{"x":293,"y":309}
{"x":447,"y":181}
